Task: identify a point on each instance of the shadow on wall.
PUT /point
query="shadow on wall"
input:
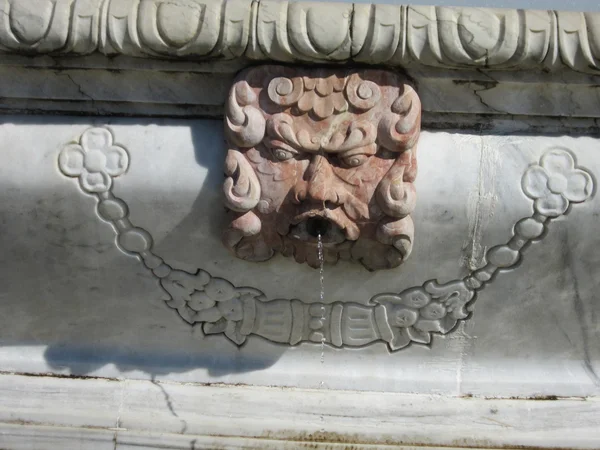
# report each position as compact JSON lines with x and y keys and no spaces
{"x":59,"y":264}
{"x":68,"y":309}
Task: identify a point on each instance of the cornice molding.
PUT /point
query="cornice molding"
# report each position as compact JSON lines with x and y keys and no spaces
{"x":317,"y":32}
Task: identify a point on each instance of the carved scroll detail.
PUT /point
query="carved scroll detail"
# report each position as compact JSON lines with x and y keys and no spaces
{"x":289,"y":31}
{"x":396,"y":319}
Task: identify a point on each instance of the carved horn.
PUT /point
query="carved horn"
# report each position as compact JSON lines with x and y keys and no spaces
{"x":399,"y":128}
{"x":396,"y":193}
{"x":242,"y":188}
{"x":245,"y":124}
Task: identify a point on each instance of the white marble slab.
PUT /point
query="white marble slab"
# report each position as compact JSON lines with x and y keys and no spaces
{"x":61,"y":413}
{"x":72,"y":302}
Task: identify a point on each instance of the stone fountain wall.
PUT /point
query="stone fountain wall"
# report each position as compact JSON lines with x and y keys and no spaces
{"x":116,"y":127}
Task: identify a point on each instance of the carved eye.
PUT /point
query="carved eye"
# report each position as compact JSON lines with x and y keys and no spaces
{"x":354,"y":160}
{"x":282,"y":155}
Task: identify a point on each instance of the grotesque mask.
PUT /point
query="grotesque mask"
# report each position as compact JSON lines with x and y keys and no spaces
{"x":325,"y":154}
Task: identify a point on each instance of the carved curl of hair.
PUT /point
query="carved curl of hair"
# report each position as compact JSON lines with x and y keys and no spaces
{"x":362,"y":94}
{"x":396,"y":194}
{"x":245,"y":124}
{"x":285,"y":91}
{"x":241,"y":187}
{"x":399,"y":131}
{"x":399,"y":128}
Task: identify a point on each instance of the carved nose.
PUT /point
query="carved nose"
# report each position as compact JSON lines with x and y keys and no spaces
{"x":320,"y":180}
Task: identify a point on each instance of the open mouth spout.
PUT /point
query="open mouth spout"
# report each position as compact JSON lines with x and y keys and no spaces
{"x":332,"y":228}
{"x":318,"y":226}
{"x":311,"y":229}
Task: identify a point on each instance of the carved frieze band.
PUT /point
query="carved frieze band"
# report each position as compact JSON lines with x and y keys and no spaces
{"x":396,"y":318}
{"x":305,"y":31}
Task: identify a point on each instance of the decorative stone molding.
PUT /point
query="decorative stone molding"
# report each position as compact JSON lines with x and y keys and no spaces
{"x":305,"y":31}
{"x":325,"y":155}
{"x":486,"y":38}
{"x":398,"y":319}
{"x":62,"y":412}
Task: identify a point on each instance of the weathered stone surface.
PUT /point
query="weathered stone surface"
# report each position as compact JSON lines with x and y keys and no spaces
{"x":112,"y":265}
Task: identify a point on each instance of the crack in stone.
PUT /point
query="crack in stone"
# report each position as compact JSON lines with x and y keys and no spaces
{"x":169,"y":403}
{"x":579,"y":309}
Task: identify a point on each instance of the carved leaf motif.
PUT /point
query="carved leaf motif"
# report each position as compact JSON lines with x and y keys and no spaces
{"x":378,"y":32}
{"x":479,"y":31}
{"x":231,"y":309}
{"x":233,"y":333}
{"x":579,"y":40}
{"x":30,"y":19}
{"x":227,"y":327}
{"x":454,"y":295}
{"x":320,"y":31}
{"x":211,"y":315}
{"x":422,"y":337}
{"x":187,"y":18}
{"x":215,"y":328}
{"x":181,"y":285}
{"x":400,"y":340}
{"x":292,"y":31}
{"x":325,"y":38}
{"x":481,"y":37}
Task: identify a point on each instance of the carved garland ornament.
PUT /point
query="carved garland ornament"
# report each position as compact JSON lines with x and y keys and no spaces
{"x":321,"y":152}
{"x":394,"y":318}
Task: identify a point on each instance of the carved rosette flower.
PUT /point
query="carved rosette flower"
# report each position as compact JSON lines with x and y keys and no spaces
{"x":94,"y":160}
{"x":556,"y":182}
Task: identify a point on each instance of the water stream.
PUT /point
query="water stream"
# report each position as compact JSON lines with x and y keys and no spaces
{"x":322,"y":291}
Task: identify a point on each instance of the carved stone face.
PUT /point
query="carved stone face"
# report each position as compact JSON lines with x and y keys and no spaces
{"x":321,"y":152}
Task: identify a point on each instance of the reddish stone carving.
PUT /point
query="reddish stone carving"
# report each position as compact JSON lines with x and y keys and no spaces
{"x":321,"y":151}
